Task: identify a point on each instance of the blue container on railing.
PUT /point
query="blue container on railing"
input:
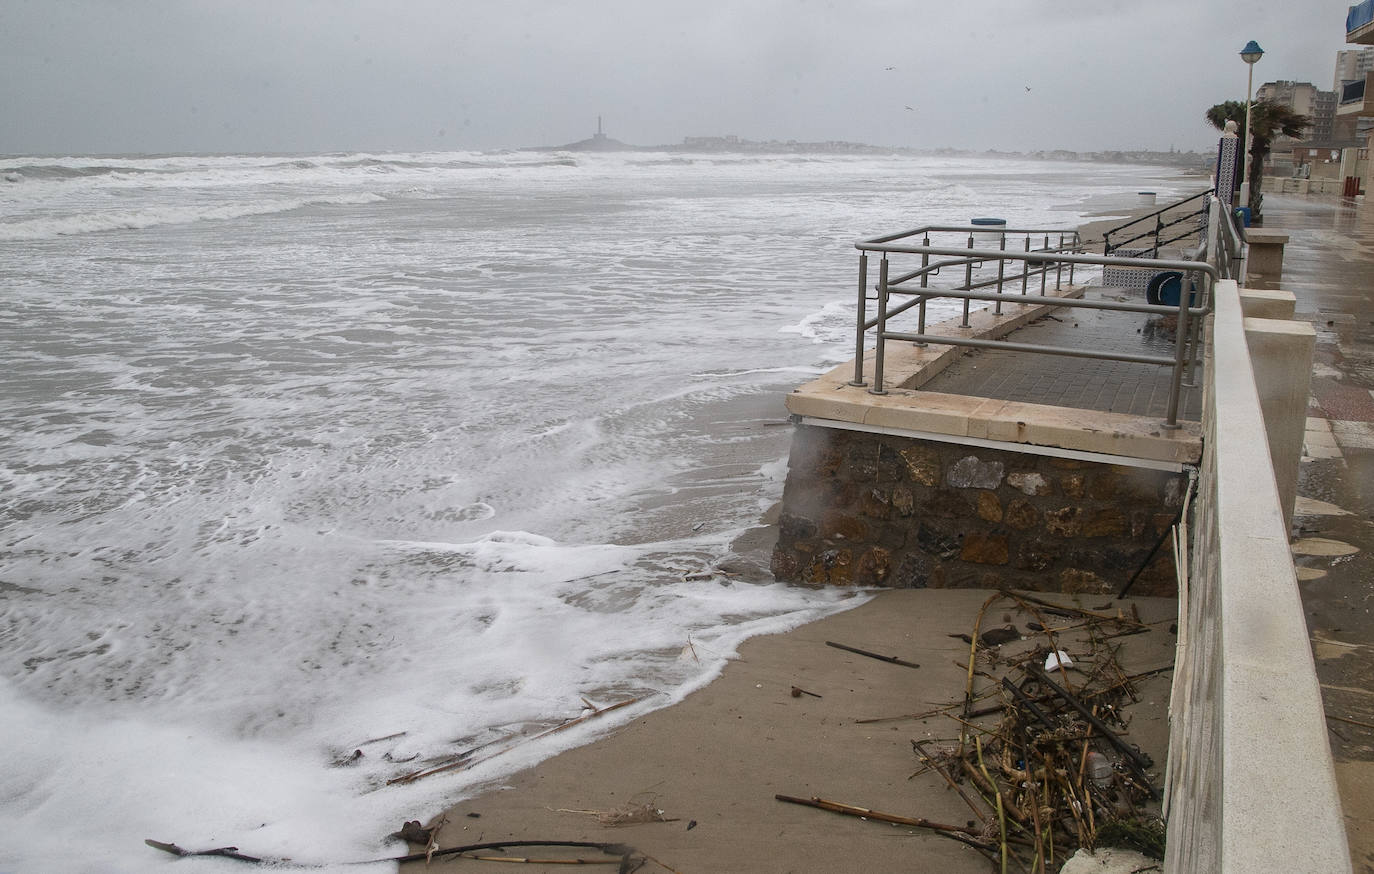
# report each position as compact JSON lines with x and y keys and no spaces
{"x":1243,"y":213}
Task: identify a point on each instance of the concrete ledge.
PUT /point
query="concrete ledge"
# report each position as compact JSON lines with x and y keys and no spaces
{"x":1281,"y":354}
{"x":1264,"y":259}
{"x":1003,"y":421}
{"x":1265,"y":303}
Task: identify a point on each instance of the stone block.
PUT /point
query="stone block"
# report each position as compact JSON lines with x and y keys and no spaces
{"x":983,"y":548}
{"x":1037,"y":555}
{"x":1104,"y":486}
{"x":971,"y":473}
{"x":875,"y":503}
{"x":903,"y":501}
{"x":923,"y":465}
{"x":913,"y":571}
{"x":1109,"y":522}
{"x":1073,"y":485}
{"x":891,"y":465}
{"x":1065,"y":521}
{"x":862,"y":461}
{"x":989,"y":508}
{"x":948,"y":504}
{"x":1021,"y":515}
{"x":1029,"y":483}
{"x":843,"y":525}
{"x":832,"y":566}
{"x":937,"y":541}
{"x":874,"y":567}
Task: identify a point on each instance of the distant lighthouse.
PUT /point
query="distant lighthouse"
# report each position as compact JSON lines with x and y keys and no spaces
{"x":600,"y":137}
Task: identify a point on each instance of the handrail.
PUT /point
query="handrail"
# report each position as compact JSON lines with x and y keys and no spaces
{"x":1108,"y":247}
{"x":1041,"y":262}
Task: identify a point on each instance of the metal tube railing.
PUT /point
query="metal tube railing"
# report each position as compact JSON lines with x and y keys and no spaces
{"x":1158,"y":216}
{"x":1194,"y":303}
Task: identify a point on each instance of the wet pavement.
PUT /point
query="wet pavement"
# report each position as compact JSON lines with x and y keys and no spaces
{"x":1329,"y":266}
{"x":1080,"y":383}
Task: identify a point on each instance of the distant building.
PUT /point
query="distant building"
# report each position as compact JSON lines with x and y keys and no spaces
{"x":1351,"y":66}
{"x":1355,"y":72}
{"x":1305,"y":98}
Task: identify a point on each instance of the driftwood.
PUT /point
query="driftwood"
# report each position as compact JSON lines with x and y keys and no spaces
{"x":893,"y":660}
{"x":465,"y":759}
{"x":1052,"y":771}
{"x":624,"y":852}
{"x":1130,"y":752}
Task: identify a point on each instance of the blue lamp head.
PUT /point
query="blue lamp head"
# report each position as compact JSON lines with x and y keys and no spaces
{"x":1251,"y":52}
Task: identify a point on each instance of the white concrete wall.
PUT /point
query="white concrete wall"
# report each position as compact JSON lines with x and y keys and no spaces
{"x":1251,"y":786}
{"x":1281,"y":353}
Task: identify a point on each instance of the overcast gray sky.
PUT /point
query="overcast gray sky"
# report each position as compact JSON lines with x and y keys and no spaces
{"x":99,"y":76}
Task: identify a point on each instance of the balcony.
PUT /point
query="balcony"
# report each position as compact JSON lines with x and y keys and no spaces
{"x":1354,"y":97}
{"x":1359,"y":23}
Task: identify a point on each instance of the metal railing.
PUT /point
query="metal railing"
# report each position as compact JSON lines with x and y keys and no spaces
{"x":1159,"y":232}
{"x":931,"y":245}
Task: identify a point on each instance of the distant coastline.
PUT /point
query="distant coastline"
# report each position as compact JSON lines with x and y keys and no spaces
{"x":599,"y":142}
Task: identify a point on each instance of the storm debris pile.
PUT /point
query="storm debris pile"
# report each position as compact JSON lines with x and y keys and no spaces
{"x":1037,"y":752}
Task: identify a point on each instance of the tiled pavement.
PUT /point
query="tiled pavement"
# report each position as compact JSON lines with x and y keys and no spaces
{"x":1081,"y":383}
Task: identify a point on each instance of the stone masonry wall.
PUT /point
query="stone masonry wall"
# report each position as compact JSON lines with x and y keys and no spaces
{"x":878,"y":510}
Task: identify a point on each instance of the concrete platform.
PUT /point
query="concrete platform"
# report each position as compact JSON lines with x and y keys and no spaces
{"x":1080,"y":383}
{"x":1081,"y":405}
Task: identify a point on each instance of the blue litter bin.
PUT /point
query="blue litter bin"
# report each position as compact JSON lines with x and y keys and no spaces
{"x":1243,"y":213}
{"x":1166,"y":288}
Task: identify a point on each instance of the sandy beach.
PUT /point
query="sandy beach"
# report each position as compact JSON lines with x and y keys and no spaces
{"x":711,"y":766}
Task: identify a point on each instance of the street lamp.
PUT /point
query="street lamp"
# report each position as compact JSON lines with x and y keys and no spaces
{"x":1250,"y":54}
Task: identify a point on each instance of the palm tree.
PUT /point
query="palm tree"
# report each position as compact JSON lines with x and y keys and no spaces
{"x":1270,"y":120}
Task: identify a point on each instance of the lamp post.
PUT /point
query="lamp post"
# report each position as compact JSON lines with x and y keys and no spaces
{"x":1250,"y":54}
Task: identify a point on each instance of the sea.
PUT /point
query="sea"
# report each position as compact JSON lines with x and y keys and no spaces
{"x":319,"y":471}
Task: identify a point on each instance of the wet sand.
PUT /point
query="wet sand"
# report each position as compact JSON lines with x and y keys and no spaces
{"x":713,"y":763}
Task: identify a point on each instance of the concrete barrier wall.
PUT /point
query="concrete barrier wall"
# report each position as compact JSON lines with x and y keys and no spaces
{"x":1290,"y":185}
{"x":1251,"y":785}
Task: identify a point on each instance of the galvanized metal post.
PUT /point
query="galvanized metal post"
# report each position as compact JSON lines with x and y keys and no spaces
{"x":1181,"y":353}
{"x":1001,"y":269}
{"x":1025,"y":270}
{"x":859,"y":321}
{"x":879,"y":347}
{"x":1059,"y":266}
{"x":1044,"y":268}
{"x":968,"y":280}
{"x":925,"y":283}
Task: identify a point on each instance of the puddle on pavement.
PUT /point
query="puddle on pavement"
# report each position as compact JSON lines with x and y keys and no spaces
{"x":1324,"y":647}
{"x":1314,"y":507}
{"x":1323,"y":546}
